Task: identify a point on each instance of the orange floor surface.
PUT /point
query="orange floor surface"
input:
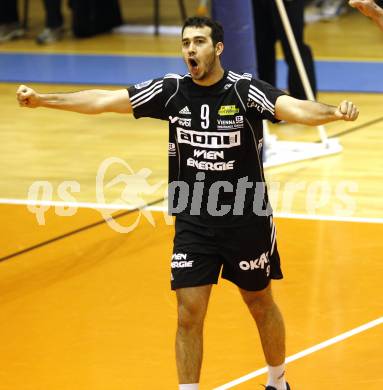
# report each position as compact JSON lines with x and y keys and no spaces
{"x":93,"y":309}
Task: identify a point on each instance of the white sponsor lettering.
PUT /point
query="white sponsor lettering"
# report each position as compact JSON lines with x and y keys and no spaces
{"x":206,"y":139}
{"x":259,"y":263}
{"x":209,"y":154}
{"x":210,"y":166}
{"x":228,"y":124}
{"x":252,"y":104}
{"x":179,"y":256}
{"x":225,"y":122}
{"x":184,"y":122}
{"x":182,"y":264}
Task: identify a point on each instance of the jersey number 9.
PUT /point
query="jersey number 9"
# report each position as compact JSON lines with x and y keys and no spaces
{"x":205,"y":116}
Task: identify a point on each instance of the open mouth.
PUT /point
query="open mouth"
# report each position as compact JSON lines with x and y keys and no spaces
{"x":193,"y":64}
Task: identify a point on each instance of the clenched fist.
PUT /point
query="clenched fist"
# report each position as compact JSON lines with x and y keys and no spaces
{"x":347,"y":111}
{"x":27,"y":97}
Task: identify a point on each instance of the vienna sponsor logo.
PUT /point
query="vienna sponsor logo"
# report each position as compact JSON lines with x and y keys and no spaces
{"x":228,"y":124}
{"x":251,"y":265}
{"x":213,"y":140}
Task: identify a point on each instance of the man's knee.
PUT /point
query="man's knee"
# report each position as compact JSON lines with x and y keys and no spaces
{"x":190,"y":316}
{"x":258,"y":301}
{"x":192,"y":306}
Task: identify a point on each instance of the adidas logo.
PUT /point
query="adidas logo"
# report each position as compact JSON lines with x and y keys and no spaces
{"x":185,"y":110}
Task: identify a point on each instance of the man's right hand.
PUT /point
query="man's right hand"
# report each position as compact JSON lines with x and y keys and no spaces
{"x":91,"y":101}
{"x":27,"y":97}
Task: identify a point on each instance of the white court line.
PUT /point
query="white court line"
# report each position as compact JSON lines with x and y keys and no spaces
{"x":304,"y":353}
{"x":103,"y":206}
{"x":335,"y":218}
{"x":81,"y":205}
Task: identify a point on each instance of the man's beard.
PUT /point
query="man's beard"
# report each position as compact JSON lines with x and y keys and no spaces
{"x":208,"y":68}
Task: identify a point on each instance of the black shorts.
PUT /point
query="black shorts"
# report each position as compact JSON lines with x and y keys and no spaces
{"x":248,"y":255}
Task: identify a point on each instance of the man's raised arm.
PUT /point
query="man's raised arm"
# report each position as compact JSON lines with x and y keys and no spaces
{"x":92,"y":101}
{"x":370,"y":9}
{"x":311,"y":113}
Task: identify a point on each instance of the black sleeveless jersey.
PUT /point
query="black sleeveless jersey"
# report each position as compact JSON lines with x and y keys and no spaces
{"x":215,"y":144}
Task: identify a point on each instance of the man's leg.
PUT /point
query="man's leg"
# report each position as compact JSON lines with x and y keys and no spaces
{"x":192,"y":305}
{"x":10,"y":27}
{"x":53,"y":15}
{"x":271,"y":328}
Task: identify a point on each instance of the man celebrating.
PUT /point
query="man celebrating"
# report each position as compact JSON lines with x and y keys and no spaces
{"x":215,"y":147}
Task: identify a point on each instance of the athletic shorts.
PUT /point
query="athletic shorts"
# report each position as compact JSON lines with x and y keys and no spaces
{"x":247,"y":255}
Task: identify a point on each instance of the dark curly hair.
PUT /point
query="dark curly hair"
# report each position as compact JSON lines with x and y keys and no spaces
{"x":202,"y":21}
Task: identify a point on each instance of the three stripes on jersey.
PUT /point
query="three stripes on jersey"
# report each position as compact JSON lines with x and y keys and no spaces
{"x":255,"y":95}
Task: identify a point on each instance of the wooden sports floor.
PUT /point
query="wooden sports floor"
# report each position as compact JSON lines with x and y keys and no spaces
{"x":84,"y":307}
